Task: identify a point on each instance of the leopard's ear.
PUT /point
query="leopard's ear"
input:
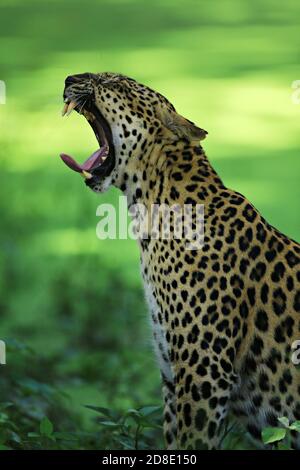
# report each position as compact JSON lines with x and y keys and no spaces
{"x":178,"y":124}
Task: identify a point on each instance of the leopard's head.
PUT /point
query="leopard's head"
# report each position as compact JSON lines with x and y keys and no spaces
{"x":127,"y":118}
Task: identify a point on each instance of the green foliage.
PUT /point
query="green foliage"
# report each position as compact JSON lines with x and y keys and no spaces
{"x":235,"y":437}
{"x":40,"y":415}
{"x":134,"y":429}
{"x":23,"y":424}
{"x":270,"y":435}
{"x":281,"y":436}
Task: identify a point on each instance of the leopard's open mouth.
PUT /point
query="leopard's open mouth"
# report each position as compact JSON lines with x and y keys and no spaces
{"x":102,"y":161}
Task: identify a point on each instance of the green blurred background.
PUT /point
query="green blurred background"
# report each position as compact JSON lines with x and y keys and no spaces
{"x":77,"y":302}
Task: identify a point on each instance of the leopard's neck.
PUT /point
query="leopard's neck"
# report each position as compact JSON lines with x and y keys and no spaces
{"x":167,"y":172}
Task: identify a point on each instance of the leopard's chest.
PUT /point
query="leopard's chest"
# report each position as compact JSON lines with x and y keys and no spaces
{"x":159,"y":326}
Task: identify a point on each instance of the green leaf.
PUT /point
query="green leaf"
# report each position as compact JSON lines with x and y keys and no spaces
{"x":283,"y":420}
{"x":46,"y":427}
{"x":295,"y":426}
{"x":270,"y":435}
{"x":3,"y":447}
{"x":150,"y":411}
{"x":134,"y":414}
{"x":150,"y":425}
{"x":282,"y":446}
{"x":99,"y":409}
{"x":15,"y":437}
{"x":110,"y":424}
{"x":6,"y":404}
{"x":127,"y":443}
{"x":3,"y":417}
{"x":33,"y":434}
{"x":104,"y":411}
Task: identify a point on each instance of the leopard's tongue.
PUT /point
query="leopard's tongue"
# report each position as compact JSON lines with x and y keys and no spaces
{"x":95,"y":160}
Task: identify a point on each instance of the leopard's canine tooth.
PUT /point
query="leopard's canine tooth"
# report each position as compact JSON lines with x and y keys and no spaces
{"x":70,"y":108}
{"x":86,"y":175}
{"x":65,"y":109}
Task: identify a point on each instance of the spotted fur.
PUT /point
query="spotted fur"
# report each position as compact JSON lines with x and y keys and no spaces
{"x":224,"y":317}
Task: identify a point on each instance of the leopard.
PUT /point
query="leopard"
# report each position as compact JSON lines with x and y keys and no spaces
{"x":225,"y":316}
